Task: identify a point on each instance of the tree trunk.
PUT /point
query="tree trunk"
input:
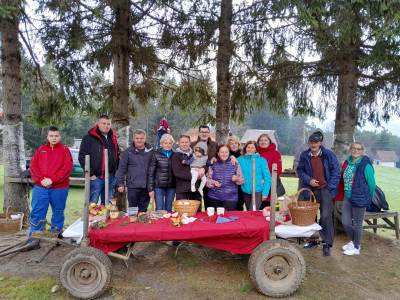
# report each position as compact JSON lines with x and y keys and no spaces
{"x":120,"y":39}
{"x":346,"y":107}
{"x":13,"y":144}
{"x":225,"y":48}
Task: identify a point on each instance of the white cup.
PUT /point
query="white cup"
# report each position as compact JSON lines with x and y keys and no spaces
{"x":210,"y":211}
{"x":220,"y":211}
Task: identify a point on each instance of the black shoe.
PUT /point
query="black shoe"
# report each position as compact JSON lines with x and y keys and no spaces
{"x":326,"y":250}
{"x":311,"y":244}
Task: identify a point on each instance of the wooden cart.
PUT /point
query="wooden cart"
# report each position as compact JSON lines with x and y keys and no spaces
{"x":276,"y":268}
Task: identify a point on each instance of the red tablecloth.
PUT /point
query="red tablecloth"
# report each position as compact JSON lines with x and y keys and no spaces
{"x":241,"y":236}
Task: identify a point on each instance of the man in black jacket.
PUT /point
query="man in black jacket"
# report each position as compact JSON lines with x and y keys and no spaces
{"x":98,"y":139}
{"x":133,"y":169}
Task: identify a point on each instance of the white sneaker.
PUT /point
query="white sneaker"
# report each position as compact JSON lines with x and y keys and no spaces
{"x":351,"y":252}
{"x":193,"y":188}
{"x":348,"y":246}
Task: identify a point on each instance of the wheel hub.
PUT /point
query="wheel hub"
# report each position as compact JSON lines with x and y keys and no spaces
{"x":276,"y":268}
{"x":85,"y":273}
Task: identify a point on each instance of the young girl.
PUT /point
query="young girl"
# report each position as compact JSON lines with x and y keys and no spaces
{"x":196,"y":162}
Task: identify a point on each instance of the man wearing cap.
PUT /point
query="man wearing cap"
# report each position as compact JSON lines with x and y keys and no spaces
{"x":318,"y":169}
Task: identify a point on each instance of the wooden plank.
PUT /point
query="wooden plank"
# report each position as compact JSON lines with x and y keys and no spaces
{"x":378,"y":226}
{"x":381,"y":215}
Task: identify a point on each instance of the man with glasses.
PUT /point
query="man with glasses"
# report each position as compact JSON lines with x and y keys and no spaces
{"x":204,"y":136}
{"x":318,"y":170}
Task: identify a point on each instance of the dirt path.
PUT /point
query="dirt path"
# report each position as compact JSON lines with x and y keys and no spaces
{"x":203,"y":273}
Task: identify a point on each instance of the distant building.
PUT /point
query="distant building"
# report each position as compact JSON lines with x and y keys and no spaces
{"x":253,"y":134}
{"x":386,"y":158}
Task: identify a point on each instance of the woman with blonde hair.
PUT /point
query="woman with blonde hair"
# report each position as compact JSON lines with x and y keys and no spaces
{"x":233,"y":144}
{"x":161,"y":181}
{"x":356,"y":189}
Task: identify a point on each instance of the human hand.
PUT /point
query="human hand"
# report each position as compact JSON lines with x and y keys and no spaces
{"x":93,"y":177}
{"x":121,"y":189}
{"x":314,"y":183}
{"x":233,"y":160}
{"x":151,"y":195}
{"x":213,"y":160}
{"x":217,"y":184}
{"x":235,"y":178}
{"x":46,"y":182}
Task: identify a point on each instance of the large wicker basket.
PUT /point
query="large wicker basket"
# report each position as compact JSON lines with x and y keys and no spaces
{"x":303,"y":213}
{"x":7,"y":224}
{"x":189,"y":207}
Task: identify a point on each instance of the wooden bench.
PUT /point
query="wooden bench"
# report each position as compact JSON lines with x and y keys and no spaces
{"x":384,"y":215}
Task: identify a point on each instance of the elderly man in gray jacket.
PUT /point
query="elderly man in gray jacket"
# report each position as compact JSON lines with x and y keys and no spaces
{"x":132,"y":171}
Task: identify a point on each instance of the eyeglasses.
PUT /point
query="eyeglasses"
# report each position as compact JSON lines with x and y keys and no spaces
{"x":356,"y":149}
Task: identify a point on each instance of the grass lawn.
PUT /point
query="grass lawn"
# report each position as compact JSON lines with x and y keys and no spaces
{"x":387,"y":178}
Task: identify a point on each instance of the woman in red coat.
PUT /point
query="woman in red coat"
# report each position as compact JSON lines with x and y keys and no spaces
{"x":267,"y":149}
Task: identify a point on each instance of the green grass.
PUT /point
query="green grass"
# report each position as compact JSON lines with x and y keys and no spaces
{"x":18,"y":288}
{"x":387,"y":178}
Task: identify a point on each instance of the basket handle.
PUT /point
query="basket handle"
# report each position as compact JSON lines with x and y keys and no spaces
{"x":296,"y":196}
{"x":8,"y":212}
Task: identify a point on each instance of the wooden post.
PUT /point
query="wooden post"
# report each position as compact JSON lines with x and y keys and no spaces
{"x":85,"y":214}
{"x":106,"y":178}
{"x":253,"y":182}
{"x":273,"y":201}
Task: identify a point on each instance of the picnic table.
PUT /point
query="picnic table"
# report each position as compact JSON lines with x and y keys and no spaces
{"x":240,"y":236}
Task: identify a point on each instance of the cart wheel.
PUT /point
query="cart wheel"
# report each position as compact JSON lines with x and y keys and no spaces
{"x":276,"y":268}
{"x":86,"y":273}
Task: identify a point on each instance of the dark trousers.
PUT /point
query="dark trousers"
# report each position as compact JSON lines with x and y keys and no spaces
{"x":265,"y":204}
{"x":248,"y":202}
{"x":139,"y":198}
{"x":228,"y":205}
{"x":240,"y":202}
{"x":205,"y":197}
{"x":188,"y":196}
{"x":324,"y":198}
{"x":352,"y":220}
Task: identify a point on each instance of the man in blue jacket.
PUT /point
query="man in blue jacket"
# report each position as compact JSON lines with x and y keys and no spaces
{"x":318,"y":170}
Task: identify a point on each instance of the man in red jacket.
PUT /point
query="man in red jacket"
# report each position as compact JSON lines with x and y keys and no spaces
{"x":50,"y":169}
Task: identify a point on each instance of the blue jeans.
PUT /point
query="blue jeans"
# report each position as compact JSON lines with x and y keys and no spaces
{"x":97,"y":189}
{"x":164,"y":198}
{"x":41,"y":198}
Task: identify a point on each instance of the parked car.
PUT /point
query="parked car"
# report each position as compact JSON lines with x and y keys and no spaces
{"x":77,"y":170}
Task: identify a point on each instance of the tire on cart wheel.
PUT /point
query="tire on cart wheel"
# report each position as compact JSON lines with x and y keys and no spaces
{"x":277,"y":269}
{"x":86,"y":273}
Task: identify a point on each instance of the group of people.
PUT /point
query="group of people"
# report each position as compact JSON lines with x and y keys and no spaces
{"x":318,"y":169}
{"x":221,"y":175}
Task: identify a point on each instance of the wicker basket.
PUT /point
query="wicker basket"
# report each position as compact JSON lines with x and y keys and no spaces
{"x":189,"y":207}
{"x":7,"y":224}
{"x":303,"y":213}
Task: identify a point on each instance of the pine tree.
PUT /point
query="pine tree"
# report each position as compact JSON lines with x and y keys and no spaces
{"x":15,"y":194}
